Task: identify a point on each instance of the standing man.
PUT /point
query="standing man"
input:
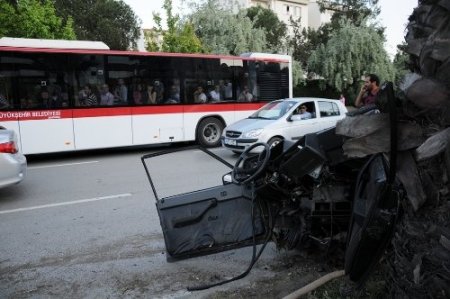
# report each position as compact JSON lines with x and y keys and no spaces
{"x":200,"y":96}
{"x":245,"y":95}
{"x":121,"y":92}
{"x":215,"y":94}
{"x":106,"y":97}
{"x":368,"y":93}
{"x":342,"y":99}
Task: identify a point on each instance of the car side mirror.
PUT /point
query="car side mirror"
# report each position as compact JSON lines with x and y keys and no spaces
{"x":226,"y":179}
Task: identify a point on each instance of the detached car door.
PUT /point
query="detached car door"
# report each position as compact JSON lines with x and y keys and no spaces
{"x":199,"y":212}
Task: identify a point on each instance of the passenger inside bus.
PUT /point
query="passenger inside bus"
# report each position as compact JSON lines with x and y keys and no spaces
{"x":26,"y":103}
{"x":174,"y":95}
{"x":228,"y":90}
{"x":121,"y":92}
{"x":106,"y":97}
{"x":90,"y":98}
{"x":64,"y":99}
{"x":138,"y":94}
{"x":215,"y":95}
{"x":54,"y":101}
{"x":43,"y":99}
{"x":199,"y":96}
{"x":149,"y":95}
{"x":245,"y":95}
{"x":159,"y":89}
{"x":4,"y":103}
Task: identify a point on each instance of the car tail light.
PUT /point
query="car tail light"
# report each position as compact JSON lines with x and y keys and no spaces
{"x":8,"y":147}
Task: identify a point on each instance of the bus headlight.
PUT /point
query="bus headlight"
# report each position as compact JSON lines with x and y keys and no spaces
{"x":253,"y":133}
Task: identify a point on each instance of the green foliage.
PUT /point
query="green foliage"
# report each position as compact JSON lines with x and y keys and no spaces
{"x":312,"y":88}
{"x":304,"y":41}
{"x":223,"y":32}
{"x":275,"y":29}
{"x":34,"y":19}
{"x":358,"y":12}
{"x":110,"y":21}
{"x":350,"y":53}
{"x":343,"y":50}
{"x":297,"y":73}
{"x":188,"y":42}
{"x":401,"y":62}
{"x":178,"y":37}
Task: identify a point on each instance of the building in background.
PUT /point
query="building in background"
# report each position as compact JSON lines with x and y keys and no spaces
{"x":315,"y":17}
{"x":307,"y":11}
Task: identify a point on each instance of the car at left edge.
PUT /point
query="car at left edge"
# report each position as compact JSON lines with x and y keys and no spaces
{"x":13,"y":164}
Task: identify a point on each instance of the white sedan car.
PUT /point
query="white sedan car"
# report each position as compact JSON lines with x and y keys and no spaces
{"x":287,"y":119}
{"x":13,"y":165}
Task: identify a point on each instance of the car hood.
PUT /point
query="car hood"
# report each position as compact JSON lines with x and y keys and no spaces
{"x":249,"y":124}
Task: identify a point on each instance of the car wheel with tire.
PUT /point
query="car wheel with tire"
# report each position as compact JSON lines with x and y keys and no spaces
{"x":209,"y":132}
{"x":274,"y":141}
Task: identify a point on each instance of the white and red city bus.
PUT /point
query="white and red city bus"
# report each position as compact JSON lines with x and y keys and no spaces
{"x":54,"y":94}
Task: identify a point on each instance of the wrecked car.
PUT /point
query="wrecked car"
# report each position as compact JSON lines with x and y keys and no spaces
{"x":303,"y":194}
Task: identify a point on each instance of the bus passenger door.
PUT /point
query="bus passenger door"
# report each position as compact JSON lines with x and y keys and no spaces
{"x":46,"y":131}
{"x":39,"y":84}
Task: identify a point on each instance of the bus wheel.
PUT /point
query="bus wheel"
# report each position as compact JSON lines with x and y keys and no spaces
{"x":209,"y":132}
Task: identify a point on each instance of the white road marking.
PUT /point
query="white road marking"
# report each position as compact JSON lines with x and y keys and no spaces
{"x":66,"y":203}
{"x":62,"y":165}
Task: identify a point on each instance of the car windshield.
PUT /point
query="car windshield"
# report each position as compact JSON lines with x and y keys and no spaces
{"x":273,"y":110}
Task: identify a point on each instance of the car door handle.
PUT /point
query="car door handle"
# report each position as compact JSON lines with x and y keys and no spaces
{"x":184,"y":221}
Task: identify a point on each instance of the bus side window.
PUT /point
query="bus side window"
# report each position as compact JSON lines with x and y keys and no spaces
{"x":4,"y":102}
{"x":174,"y":95}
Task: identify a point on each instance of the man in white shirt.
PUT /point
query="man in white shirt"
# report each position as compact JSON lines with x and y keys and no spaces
{"x":121,"y":91}
{"x":200,"y":96}
{"x":245,"y":95}
{"x":302,"y":113}
{"x":106,"y":98}
{"x":215,"y":94}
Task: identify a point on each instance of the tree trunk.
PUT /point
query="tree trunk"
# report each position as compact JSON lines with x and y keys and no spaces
{"x":419,"y":260}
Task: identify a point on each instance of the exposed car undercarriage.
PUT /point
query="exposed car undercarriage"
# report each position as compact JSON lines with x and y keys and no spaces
{"x":301,"y":195}
{"x":319,"y":198}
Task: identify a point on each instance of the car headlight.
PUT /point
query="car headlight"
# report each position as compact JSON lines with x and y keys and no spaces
{"x":253,"y":133}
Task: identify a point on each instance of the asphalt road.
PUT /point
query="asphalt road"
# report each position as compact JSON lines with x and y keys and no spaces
{"x":85,"y":226}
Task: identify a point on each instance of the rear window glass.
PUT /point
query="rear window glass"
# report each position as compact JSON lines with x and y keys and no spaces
{"x":328,"y":109}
